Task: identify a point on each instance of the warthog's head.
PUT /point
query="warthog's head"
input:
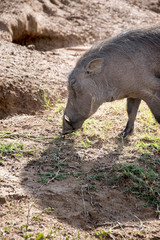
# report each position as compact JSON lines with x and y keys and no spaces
{"x":83,"y":99}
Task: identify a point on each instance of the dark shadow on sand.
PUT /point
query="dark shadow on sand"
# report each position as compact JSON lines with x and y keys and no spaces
{"x":64,"y":181}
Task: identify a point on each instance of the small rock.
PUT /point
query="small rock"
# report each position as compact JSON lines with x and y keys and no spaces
{"x":31,"y":46}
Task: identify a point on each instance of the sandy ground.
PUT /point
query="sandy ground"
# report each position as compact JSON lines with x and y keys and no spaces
{"x":40,"y":43}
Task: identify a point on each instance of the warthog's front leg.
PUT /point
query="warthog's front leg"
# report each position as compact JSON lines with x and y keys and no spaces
{"x":132,"y":108}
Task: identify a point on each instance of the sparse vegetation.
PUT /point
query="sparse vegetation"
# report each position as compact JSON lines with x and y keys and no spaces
{"x":104,"y":234}
{"x":137,"y":180}
{"x":90,"y":184}
{"x":10,"y":148}
{"x":47,"y":102}
{"x":149,"y":144}
{"x":15,"y":149}
{"x":135,"y":169}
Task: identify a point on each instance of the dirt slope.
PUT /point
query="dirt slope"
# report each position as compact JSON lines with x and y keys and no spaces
{"x":153,"y":5}
{"x":46,"y":25}
{"x":63,"y":23}
{"x":39,"y":44}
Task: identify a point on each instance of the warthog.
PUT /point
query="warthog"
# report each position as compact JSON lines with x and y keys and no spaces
{"x":124,"y":66}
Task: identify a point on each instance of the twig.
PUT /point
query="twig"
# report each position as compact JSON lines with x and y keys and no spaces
{"x":28,"y":215}
{"x":116,"y":226}
{"x":84,"y":205}
{"x":141,"y":223}
{"x":78,"y":48}
{"x":50,"y":180}
{"x":10,"y":211}
{"x":91,"y":201}
{"x":158,"y":212}
{"x":73,"y":167}
{"x":122,"y":229}
{"x":31,"y":137}
{"x":93,"y":204}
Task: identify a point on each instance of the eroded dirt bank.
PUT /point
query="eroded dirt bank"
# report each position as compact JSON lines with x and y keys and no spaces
{"x":46,"y":180}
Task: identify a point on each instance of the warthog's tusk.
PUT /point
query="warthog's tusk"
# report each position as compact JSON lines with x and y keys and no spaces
{"x":67,"y":118}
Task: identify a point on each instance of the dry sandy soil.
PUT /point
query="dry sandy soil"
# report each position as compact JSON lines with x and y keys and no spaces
{"x":40,"y":41}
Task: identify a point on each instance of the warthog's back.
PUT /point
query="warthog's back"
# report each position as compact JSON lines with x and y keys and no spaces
{"x":129,"y":42}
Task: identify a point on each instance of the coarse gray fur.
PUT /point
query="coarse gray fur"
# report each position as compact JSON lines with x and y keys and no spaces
{"x":124,"y":66}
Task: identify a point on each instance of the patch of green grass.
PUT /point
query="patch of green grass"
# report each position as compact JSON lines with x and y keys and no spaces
{"x":151,"y":161}
{"x":46,"y":101}
{"x":48,"y":210}
{"x":47,"y":176}
{"x":40,"y":236}
{"x":142,"y":182}
{"x":8,"y":134}
{"x":37,"y":236}
{"x":104,"y":234}
{"x":146,"y":117}
{"x":78,"y":175}
{"x":90,"y":127}
{"x":10,"y":148}
{"x":86,"y":143}
{"x":14,"y":149}
{"x":28,"y":236}
{"x":94,"y":128}
{"x":7,"y":229}
{"x":58,"y":170}
{"x":36,"y":217}
{"x":149,"y":144}
{"x":145,"y":121}
{"x":90,"y":187}
{"x":59,"y":106}
{"x":97,"y":177}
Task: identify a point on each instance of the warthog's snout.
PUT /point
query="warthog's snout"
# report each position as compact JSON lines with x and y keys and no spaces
{"x":67,"y":125}
{"x":70,"y":125}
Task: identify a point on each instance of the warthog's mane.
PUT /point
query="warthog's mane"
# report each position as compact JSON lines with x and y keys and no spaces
{"x":126,"y":42}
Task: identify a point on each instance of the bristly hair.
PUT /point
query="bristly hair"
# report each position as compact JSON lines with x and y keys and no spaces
{"x":126,"y":42}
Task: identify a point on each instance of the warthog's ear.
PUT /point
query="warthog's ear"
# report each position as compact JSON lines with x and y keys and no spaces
{"x":95,"y":66}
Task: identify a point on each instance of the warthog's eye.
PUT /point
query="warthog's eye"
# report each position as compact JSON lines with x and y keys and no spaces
{"x":67,"y":119}
{"x":72,"y":81}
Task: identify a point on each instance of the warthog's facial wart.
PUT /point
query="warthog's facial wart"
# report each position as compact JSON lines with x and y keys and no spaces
{"x":92,"y":106}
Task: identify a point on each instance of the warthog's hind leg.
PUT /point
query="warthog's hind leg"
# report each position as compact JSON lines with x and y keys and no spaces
{"x":154,"y":105}
{"x":132,"y":108}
